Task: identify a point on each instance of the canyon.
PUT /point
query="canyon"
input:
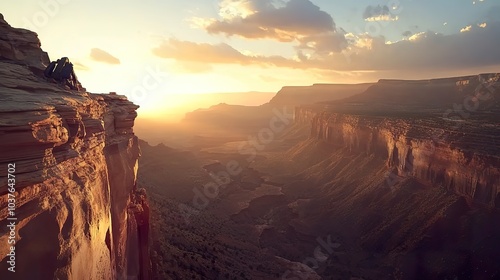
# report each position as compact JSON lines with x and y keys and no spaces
{"x":397,"y":179}
{"x":443,"y":132}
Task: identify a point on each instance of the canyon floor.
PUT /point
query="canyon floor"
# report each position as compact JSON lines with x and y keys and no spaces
{"x":303,"y":209}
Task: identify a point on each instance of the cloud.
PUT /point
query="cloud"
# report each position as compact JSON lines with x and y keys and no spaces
{"x":191,"y":52}
{"x":407,"y":33}
{"x":364,"y":41}
{"x":417,"y":36}
{"x":466,"y":29}
{"x":428,"y":51}
{"x":424,"y":51}
{"x":255,"y":19}
{"x":103,"y":56}
{"x":325,"y":43}
{"x":200,"y":52}
{"x":297,"y":21}
{"x":379,"y":13}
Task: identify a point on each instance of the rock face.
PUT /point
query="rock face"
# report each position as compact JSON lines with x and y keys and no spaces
{"x":75,"y":157}
{"x":305,"y":114}
{"x":455,"y":146}
{"x":21,"y":46}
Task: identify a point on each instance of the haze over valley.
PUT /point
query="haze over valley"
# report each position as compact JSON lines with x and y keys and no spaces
{"x":249,"y":139}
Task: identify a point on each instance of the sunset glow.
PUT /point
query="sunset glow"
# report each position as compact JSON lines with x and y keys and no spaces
{"x":250,"y":139}
{"x":161,"y":49}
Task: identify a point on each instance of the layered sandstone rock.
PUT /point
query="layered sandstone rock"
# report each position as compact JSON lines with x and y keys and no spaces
{"x":76,"y":167}
{"x":305,"y":114}
{"x":438,"y":143}
{"x":21,"y":46}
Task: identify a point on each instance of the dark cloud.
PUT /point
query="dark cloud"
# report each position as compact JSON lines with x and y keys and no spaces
{"x":324,"y":44}
{"x":407,"y":33}
{"x":103,"y":56}
{"x":378,"y":13}
{"x":295,"y":21}
{"x":285,"y":23}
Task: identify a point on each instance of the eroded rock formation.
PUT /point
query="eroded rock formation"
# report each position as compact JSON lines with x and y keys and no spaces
{"x":75,"y":157}
{"x":22,"y":46}
{"x":449,"y":140}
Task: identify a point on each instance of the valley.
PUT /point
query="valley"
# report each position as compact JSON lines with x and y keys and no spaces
{"x":250,"y":140}
{"x":343,"y":192}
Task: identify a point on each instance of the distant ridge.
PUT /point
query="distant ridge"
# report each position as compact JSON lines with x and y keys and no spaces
{"x":440,"y":80}
{"x":302,"y":95}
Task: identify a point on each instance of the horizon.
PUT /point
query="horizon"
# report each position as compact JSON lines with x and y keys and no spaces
{"x":244,"y":146}
{"x":156,"y":52}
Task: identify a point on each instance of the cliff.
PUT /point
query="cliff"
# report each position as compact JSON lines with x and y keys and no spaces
{"x":428,"y":135}
{"x":300,"y":95}
{"x":305,"y":114}
{"x":429,"y":94}
{"x":248,"y":119}
{"x":21,"y":46}
{"x":72,"y":159}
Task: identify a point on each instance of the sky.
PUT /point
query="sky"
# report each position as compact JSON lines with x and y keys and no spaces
{"x":160,"y":52}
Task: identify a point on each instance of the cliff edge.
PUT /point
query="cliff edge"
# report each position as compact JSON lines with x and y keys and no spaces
{"x":69,"y":203}
{"x":301,"y":95}
{"x":442,"y":132}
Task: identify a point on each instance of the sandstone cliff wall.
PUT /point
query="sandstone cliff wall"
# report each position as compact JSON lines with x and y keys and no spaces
{"x":417,"y":149}
{"x":75,"y":157}
{"x":459,"y":151}
{"x":305,"y":114}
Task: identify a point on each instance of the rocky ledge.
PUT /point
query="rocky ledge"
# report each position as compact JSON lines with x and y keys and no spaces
{"x":75,"y":157}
